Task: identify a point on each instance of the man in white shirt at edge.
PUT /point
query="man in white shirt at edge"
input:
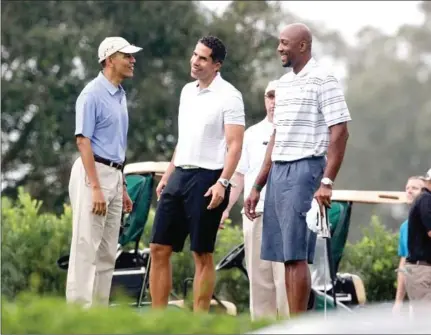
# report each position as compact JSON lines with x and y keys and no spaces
{"x":194,"y":191}
{"x":266,"y":279}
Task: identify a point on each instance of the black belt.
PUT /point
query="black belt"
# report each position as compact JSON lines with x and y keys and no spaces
{"x":419,"y":263}
{"x":108,"y":162}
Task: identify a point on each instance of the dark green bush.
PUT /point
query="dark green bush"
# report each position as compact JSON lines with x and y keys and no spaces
{"x":374,"y":258}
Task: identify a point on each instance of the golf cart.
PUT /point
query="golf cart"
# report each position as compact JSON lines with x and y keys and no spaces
{"x":330,"y":289}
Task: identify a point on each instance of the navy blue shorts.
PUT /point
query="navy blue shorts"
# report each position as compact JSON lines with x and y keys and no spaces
{"x":289,"y":193}
{"x":182,"y":210}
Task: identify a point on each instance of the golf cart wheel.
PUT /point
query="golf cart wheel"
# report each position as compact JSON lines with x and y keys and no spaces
{"x":236,"y":255}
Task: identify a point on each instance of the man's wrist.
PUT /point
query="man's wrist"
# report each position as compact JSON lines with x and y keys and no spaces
{"x":258,"y":187}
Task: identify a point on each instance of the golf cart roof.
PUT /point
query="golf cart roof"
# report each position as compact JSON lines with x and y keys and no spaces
{"x":370,"y":197}
{"x":158,"y":168}
{"x":358,"y":196}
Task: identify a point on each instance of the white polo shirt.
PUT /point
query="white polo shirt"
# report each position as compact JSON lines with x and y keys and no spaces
{"x":306,"y":105}
{"x":201,"y":119}
{"x":256,"y":140}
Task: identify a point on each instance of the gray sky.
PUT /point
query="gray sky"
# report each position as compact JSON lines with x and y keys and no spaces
{"x":349,"y":17}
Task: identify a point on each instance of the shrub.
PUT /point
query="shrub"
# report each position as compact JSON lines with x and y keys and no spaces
{"x":33,"y":241}
{"x":375,"y":259}
{"x":31,"y":244}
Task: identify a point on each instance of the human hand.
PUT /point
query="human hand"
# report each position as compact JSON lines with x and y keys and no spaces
{"x":160,"y":188}
{"x":224,"y":217}
{"x":99,"y":202}
{"x":323,"y":196}
{"x":251,"y":203}
{"x":127,"y":202}
{"x":217,"y":191}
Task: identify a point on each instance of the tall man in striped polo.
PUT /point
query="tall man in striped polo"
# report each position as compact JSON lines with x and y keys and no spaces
{"x":194,"y":191}
{"x":96,"y":183}
{"x":310,"y":122}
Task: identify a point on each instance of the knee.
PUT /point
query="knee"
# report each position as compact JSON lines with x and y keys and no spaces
{"x":160,"y":253}
{"x":203,"y":260}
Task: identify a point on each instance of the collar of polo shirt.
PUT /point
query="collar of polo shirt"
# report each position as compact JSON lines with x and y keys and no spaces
{"x":307,"y":67}
{"x":110,"y":86}
{"x":213,"y":86}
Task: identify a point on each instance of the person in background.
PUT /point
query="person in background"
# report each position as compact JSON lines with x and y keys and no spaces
{"x":266,"y":279}
{"x":413,"y":189}
{"x":418,"y":262}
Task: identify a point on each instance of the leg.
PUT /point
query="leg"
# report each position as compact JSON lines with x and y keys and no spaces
{"x":203,"y":225}
{"x":296,"y":183}
{"x":160,"y":275}
{"x":168,"y":235}
{"x":263,"y":299}
{"x":278,"y":271}
{"x":418,"y":287}
{"x":204,"y":281}
{"x":87,"y":231}
{"x":106,"y":254}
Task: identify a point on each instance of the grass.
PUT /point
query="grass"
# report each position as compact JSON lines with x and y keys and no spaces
{"x":50,"y":315}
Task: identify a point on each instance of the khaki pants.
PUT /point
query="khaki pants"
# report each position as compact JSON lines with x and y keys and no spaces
{"x":94,"y":238}
{"x":268,"y":298}
{"x":418,"y":283}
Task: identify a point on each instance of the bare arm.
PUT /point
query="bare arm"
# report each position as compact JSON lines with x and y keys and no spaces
{"x":234,"y":139}
{"x":170,"y":168}
{"x":338,"y":137}
{"x":401,"y":284}
{"x":262,"y":177}
{"x":235,"y":192}
{"x":84,"y":146}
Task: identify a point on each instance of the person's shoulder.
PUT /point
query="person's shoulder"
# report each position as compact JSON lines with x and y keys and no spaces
{"x":323,"y":72}
{"x":229,"y":90}
{"x":189,"y":87}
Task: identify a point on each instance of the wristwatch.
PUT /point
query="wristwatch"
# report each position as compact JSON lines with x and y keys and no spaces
{"x":326,"y":181}
{"x":224,"y":182}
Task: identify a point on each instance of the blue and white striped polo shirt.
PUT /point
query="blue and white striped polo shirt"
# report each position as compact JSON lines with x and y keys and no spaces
{"x":306,"y":105}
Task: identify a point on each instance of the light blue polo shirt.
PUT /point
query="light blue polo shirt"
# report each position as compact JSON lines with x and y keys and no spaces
{"x":102,"y":116}
{"x":402,"y":242}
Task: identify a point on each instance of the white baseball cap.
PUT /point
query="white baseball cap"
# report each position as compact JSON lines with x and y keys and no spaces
{"x":111,"y":45}
{"x":428,"y":175}
{"x":271,"y":86}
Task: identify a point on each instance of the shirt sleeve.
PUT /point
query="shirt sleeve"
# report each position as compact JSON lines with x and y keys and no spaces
{"x":425,"y":211}
{"x":331,"y":102}
{"x":233,"y":112}
{"x":402,"y":243}
{"x":85,"y":118}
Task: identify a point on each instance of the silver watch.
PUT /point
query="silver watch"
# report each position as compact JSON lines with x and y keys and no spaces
{"x":224,"y":182}
{"x":327,"y":181}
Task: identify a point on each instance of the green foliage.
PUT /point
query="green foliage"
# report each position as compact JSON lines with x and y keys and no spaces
{"x":374,"y":258}
{"x":34,"y":315}
{"x":31,"y":244}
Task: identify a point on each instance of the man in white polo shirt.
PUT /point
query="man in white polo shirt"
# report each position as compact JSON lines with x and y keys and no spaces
{"x":266,"y":279}
{"x":194,"y":191}
{"x":304,"y":156}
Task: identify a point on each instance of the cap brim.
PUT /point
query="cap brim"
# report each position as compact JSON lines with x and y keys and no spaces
{"x":130,"y":49}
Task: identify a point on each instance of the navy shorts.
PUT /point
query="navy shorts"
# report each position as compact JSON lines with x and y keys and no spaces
{"x":182,"y":210}
{"x":289,"y":193}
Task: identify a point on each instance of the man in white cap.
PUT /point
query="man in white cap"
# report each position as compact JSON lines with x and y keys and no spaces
{"x":97,"y":188}
{"x":266,"y":279}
